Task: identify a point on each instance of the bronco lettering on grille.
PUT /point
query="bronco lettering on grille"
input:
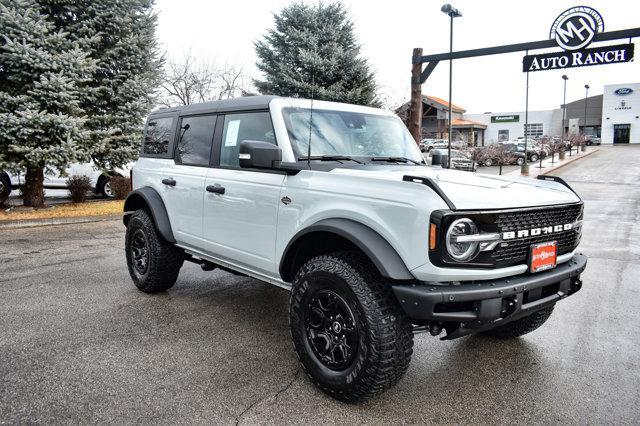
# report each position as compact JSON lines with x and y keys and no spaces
{"x":524,"y":233}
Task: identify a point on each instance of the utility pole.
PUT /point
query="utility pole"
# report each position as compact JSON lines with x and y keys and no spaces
{"x":415,"y":106}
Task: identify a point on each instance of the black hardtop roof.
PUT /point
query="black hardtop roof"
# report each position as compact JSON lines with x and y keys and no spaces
{"x":237,"y":104}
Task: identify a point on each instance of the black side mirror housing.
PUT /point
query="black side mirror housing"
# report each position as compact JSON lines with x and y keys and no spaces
{"x":259,"y":155}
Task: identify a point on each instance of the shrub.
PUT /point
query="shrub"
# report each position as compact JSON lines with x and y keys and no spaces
{"x":79,"y":186}
{"x":120,"y":187}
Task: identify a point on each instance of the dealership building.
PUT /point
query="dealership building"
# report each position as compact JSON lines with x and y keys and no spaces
{"x":612,"y":116}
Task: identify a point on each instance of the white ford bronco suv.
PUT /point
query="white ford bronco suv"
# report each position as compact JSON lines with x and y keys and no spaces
{"x":335,"y":203}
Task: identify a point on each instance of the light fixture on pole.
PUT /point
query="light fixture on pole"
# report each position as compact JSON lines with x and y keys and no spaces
{"x":453,"y":13}
{"x":564,"y":110}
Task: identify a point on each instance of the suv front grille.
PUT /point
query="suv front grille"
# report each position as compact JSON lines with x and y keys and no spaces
{"x":513,"y":251}
{"x":517,"y":250}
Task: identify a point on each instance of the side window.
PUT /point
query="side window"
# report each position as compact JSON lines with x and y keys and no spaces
{"x":158,"y":136}
{"x":254,"y":126}
{"x":195,"y":140}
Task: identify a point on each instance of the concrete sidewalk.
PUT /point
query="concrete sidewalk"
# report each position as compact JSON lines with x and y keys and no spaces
{"x":548,"y":166}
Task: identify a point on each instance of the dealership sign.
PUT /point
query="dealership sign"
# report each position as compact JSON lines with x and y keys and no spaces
{"x":579,"y":58}
{"x":505,"y":118}
{"x":574,"y":30}
{"x":623,"y":91}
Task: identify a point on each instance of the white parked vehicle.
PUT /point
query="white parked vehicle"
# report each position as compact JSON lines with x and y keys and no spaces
{"x":100,"y":181}
{"x":373,"y":244}
{"x":426,"y":145}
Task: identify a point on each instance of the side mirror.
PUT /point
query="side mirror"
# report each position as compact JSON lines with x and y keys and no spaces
{"x":259,"y":155}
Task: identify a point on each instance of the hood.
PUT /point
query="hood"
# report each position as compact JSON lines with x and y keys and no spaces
{"x":471,"y":191}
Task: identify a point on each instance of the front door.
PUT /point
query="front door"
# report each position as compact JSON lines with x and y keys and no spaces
{"x":621,"y":133}
{"x":184,"y":181}
{"x":241,"y":208}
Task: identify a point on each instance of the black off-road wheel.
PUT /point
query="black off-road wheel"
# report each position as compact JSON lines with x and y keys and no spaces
{"x":522,"y":326}
{"x":153,"y":263}
{"x":348,"y":330}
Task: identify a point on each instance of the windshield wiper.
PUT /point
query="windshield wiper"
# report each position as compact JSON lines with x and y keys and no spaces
{"x":330,"y":158}
{"x":395,"y":160}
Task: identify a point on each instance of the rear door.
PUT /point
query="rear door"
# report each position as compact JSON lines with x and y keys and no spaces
{"x":240,"y":224}
{"x":184,"y":180}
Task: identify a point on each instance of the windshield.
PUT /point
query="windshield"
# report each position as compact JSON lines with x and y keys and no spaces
{"x":350,"y":134}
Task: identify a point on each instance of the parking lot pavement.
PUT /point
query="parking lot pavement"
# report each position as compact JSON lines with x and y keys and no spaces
{"x":79,"y":344}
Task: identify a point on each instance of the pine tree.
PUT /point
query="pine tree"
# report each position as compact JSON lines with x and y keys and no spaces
{"x":120,"y":37}
{"x":313,"y":51}
{"x":41,"y":88}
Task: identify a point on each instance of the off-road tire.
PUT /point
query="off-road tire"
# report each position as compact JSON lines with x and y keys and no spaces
{"x":385,"y":334}
{"x":5,"y":188}
{"x":522,"y":326}
{"x":164,"y":259}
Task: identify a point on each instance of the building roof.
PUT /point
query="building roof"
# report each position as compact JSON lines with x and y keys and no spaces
{"x":458,"y":122}
{"x":434,"y":99}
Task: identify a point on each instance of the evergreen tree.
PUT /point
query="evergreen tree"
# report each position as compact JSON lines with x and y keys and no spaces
{"x":120,"y":36}
{"x":313,"y":51}
{"x":41,"y":77}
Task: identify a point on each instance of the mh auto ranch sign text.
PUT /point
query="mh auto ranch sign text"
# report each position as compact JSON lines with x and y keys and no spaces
{"x":573,"y":30}
{"x":580,"y":58}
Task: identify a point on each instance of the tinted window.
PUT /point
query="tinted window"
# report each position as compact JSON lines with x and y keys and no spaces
{"x":158,"y":136}
{"x":196,"y":137}
{"x":255,"y":126}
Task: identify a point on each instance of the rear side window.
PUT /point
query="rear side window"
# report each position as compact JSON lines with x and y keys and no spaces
{"x":158,"y":136}
{"x":195,"y":140}
{"x":255,"y":126}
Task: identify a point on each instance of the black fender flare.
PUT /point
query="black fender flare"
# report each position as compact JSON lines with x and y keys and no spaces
{"x":379,"y":251}
{"x":149,"y":198}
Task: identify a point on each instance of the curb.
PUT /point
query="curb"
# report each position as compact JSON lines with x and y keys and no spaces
{"x":30,"y":223}
{"x":568,"y":162}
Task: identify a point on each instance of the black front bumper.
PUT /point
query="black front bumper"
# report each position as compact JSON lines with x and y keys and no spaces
{"x":468,"y":308}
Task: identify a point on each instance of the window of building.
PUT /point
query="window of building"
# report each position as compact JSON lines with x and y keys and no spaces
{"x":195,"y":140}
{"x":158,"y":136}
{"x":534,"y":130}
{"x":503,"y":135}
{"x":254,"y":126}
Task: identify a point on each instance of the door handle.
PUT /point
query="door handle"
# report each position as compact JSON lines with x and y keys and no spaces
{"x":169,"y":181}
{"x":216,"y":189}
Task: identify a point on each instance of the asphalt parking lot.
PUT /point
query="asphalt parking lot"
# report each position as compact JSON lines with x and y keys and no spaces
{"x":78,"y":343}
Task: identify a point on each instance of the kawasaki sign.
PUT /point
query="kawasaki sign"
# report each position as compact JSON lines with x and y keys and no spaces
{"x":573,"y":31}
{"x":505,"y":118}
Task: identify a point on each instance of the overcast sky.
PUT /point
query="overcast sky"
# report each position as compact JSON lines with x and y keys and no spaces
{"x":389,"y":30}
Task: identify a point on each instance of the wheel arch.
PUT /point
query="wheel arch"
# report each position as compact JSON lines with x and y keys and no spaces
{"x":339,"y":234}
{"x":148,"y":198}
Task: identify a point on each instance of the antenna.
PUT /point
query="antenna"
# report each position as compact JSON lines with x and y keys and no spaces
{"x":313,"y":85}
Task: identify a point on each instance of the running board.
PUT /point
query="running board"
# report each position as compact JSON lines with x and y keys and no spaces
{"x":232,"y":267}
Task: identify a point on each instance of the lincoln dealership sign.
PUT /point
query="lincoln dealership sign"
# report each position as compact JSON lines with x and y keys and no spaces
{"x":574,"y":30}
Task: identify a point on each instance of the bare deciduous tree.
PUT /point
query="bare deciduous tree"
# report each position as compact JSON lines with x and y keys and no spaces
{"x":191,"y":80}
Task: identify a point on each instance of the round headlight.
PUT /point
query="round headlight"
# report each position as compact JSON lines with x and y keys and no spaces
{"x":461,"y":251}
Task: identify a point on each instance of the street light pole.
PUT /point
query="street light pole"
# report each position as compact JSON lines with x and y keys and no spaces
{"x":584,"y":127}
{"x":564,"y":110}
{"x":453,"y":13}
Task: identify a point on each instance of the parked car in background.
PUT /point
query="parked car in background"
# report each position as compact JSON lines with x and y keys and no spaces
{"x":100,"y":180}
{"x":459,"y":160}
{"x":593,"y":140}
{"x":426,"y":145}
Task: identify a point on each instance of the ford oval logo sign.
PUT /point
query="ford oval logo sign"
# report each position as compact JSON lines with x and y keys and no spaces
{"x":575,"y":28}
{"x":623,"y":91}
